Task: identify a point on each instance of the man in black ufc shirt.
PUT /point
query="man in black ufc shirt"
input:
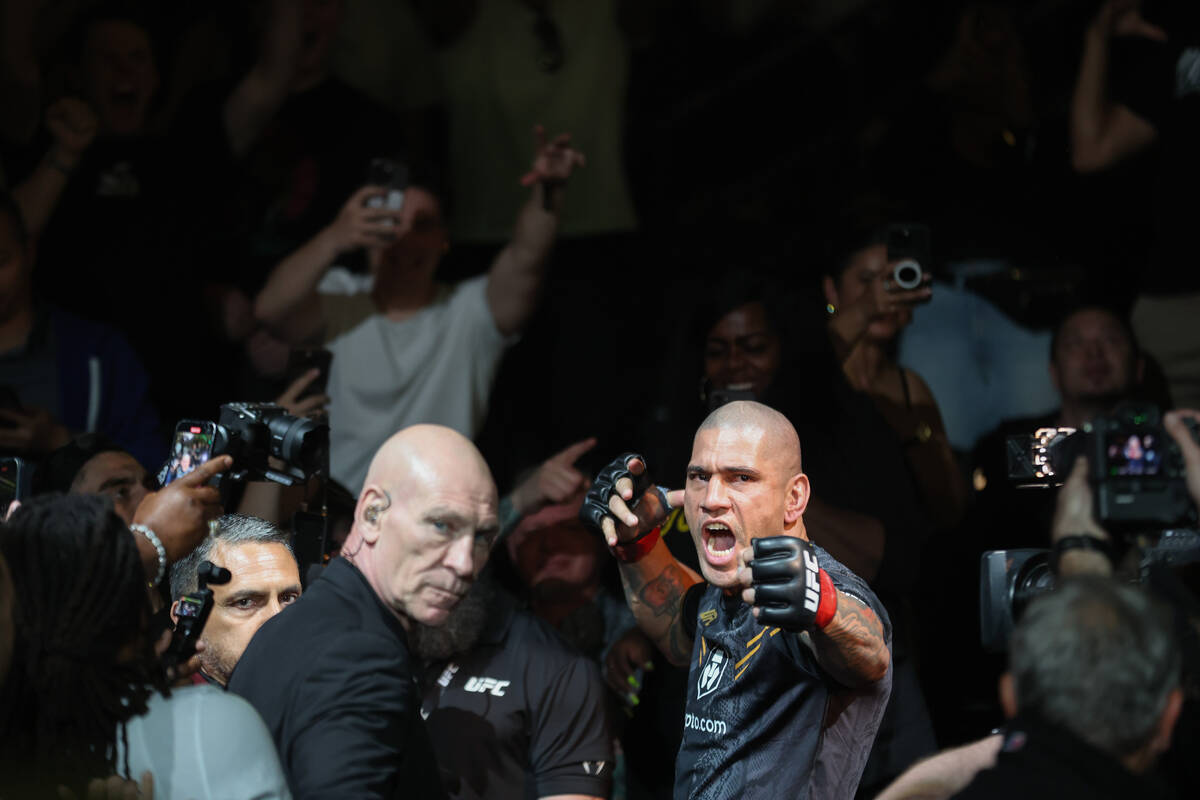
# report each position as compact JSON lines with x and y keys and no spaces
{"x":513,"y":711}
{"x":789,"y":650}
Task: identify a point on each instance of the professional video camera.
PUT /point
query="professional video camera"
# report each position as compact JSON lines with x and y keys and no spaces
{"x":1135,"y":467}
{"x":1136,"y":472}
{"x":251,"y":433}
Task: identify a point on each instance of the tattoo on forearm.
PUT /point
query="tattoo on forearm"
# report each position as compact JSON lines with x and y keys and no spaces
{"x":663,"y":594}
{"x":853,"y":646}
{"x":662,"y":597}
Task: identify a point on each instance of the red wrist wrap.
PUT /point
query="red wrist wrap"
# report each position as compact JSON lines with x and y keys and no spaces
{"x":634,"y":549}
{"x":828,"y":606}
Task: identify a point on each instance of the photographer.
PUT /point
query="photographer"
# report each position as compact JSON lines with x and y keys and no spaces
{"x":1134,"y":654}
{"x":1095,"y":365}
{"x":265,"y":580}
{"x":87,"y":696}
{"x":406,"y":349}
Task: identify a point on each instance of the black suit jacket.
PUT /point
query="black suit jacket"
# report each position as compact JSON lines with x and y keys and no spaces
{"x":333,"y":678}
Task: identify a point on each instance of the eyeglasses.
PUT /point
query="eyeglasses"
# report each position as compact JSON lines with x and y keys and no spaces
{"x":550,"y":55}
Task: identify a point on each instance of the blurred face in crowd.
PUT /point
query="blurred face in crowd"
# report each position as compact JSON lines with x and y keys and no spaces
{"x":265,"y":581}
{"x":429,"y":534}
{"x":741,"y":351}
{"x":14,"y":271}
{"x":118,"y":475}
{"x":119,"y":75}
{"x":416,"y":255}
{"x":865,"y":268}
{"x":1094,"y":358}
{"x":553,"y":548}
{"x":741,"y":485}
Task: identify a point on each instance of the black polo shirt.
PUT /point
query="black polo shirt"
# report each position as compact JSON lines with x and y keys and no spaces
{"x":756,"y":722}
{"x":522,"y":715}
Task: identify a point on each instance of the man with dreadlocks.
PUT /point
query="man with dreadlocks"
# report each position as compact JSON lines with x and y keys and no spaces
{"x":87,"y":697}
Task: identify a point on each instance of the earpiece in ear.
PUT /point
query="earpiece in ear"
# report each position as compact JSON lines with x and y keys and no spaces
{"x":372,"y":514}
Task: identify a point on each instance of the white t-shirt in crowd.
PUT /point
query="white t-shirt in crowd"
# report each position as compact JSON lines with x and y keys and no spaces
{"x":436,"y":366}
{"x":204,"y":744}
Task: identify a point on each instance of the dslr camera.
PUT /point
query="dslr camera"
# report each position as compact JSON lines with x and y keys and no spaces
{"x":252,"y":433}
{"x":1139,"y":485}
{"x":1134,"y":466}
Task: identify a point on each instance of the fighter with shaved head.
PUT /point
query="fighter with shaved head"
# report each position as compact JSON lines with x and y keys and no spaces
{"x":332,"y":675}
{"x":789,"y":651}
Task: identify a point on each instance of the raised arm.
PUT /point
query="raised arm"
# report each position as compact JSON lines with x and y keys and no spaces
{"x":72,"y":124}
{"x":655,"y":583}
{"x":288,"y":304}
{"x":1104,"y":132}
{"x":259,"y":95}
{"x":515,"y":279}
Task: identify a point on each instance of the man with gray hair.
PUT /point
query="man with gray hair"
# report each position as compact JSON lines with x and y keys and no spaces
{"x":265,"y":579}
{"x":1093,"y":690}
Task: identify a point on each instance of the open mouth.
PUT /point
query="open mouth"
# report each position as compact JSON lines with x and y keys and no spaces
{"x":719,"y":543}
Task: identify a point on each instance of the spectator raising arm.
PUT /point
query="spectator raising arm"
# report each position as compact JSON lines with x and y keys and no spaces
{"x":256,"y":99}
{"x":516,"y":275}
{"x":288,"y":305}
{"x":72,"y":124}
{"x":1104,"y":132}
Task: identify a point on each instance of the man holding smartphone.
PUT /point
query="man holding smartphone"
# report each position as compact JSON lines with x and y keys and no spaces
{"x":407,"y":349}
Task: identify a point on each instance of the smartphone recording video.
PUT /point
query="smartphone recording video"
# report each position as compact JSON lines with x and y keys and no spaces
{"x":14,"y":481}
{"x":392,"y":176}
{"x":193,"y":446}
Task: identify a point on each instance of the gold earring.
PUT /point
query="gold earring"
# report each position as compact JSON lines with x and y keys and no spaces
{"x":830,"y":309}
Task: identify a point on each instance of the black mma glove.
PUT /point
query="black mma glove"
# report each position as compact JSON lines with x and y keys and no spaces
{"x":595,"y":505}
{"x":790,"y":589}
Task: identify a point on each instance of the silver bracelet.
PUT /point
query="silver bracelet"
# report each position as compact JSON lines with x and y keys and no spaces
{"x":152,"y":537}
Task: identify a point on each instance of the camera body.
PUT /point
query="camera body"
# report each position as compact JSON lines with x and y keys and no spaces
{"x":1139,"y":486}
{"x":1134,"y":466}
{"x":255,"y":432}
{"x":908,"y":247}
{"x":192,"y":613}
{"x":252,"y":433}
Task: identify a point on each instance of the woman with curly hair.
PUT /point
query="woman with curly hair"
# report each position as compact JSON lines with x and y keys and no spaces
{"x":86,"y":696}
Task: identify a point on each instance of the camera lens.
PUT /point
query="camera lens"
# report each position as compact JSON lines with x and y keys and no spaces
{"x":907,"y":274}
{"x":300,"y":442}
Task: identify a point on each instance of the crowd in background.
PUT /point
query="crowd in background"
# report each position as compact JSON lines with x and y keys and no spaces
{"x":617,"y":215}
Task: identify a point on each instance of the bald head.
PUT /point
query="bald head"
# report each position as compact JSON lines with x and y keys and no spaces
{"x":749,"y":415}
{"x":425,"y":522}
{"x":425,"y":455}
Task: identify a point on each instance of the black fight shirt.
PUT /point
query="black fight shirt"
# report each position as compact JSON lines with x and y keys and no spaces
{"x":522,"y":715}
{"x":757,"y":702}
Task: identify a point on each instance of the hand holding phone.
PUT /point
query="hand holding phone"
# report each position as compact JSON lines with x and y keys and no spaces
{"x":909,"y":261}
{"x":307,"y":377}
{"x":180,"y":513}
